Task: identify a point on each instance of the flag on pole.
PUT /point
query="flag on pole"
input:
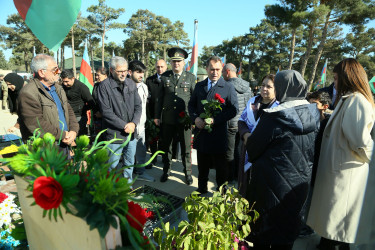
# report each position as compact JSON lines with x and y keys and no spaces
{"x":239,"y":71}
{"x":187,"y":66}
{"x":223,"y":59}
{"x":372,"y":85}
{"x":278,"y":70}
{"x":50,"y":21}
{"x":85,"y":75}
{"x":323,"y":77}
{"x":194,"y":55}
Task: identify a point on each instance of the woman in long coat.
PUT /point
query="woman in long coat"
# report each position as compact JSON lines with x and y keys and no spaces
{"x":281,"y":150}
{"x":339,"y":211}
{"x":248,"y":121}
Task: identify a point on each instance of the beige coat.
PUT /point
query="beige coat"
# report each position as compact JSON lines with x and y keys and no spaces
{"x":339,"y":209}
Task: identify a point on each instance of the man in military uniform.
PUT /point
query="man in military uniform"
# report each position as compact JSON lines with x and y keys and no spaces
{"x":154,"y":86}
{"x":178,"y":85}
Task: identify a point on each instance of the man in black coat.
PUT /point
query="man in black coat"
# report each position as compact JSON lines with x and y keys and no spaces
{"x":121,"y":108}
{"x":154,"y":86}
{"x":211,"y":146}
{"x":244,"y":94}
{"x":79,"y":97}
{"x":178,"y":85}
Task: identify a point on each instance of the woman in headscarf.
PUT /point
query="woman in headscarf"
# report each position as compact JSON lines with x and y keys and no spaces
{"x":281,"y":150}
{"x":343,"y":208}
{"x":15,"y":83}
{"x":248,"y":121}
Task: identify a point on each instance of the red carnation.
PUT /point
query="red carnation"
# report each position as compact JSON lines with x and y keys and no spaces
{"x":47,"y":192}
{"x":136,"y":216}
{"x":3,"y":197}
{"x":217,"y":96}
{"x":182,"y":114}
{"x":221,"y":100}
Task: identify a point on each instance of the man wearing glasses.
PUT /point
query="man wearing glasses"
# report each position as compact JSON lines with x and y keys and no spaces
{"x":43,"y":104}
{"x":121,"y":108}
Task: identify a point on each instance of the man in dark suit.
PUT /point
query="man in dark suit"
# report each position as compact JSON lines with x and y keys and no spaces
{"x":178,"y":85}
{"x":154,"y":86}
{"x":211,"y":146}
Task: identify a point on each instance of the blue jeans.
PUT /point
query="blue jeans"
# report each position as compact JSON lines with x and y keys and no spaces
{"x":127,"y":154}
{"x":141,"y":152}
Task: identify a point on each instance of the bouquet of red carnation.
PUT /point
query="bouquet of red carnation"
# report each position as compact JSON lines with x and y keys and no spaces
{"x":211,"y":109}
{"x":184,"y":119}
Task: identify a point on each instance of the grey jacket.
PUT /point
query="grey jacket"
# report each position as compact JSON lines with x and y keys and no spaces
{"x":119,"y":107}
{"x":244,"y":94}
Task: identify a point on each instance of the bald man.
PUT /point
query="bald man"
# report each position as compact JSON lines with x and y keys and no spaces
{"x":154,"y":86}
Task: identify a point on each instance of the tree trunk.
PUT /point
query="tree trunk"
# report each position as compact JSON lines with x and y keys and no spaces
{"x":165,"y":53}
{"x":63,"y":57}
{"x":25,"y":60}
{"x":250,"y":60}
{"x":143,"y":49}
{"x":103,"y":42}
{"x":57,"y":57}
{"x":146,"y":72}
{"x":73,"y":54}
{"x":292,"y":45}
{"x":92,"y":58}
{"x":308,"y":49}
{"x":320,"y":50}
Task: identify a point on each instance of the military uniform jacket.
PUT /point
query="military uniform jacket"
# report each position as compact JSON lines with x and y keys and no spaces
{"x":174,"y":96}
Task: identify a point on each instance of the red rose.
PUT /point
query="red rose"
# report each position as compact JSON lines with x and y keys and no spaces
{"x":136,"y":216}
{"x":221,"y":100}
{"x":47,"y":192}
{"x":217,"y":96}
{"x":3,"y":197}
{"x":182,"y":114}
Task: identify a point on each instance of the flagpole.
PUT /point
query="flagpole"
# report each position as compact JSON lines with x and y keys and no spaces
{"x":194,"y":54}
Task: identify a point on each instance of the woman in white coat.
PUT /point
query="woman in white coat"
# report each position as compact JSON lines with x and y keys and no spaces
{"x":339,"y":211}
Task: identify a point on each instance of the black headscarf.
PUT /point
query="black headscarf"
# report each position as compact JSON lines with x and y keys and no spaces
{"x":289,"y":86}
{"x":15,"y":80}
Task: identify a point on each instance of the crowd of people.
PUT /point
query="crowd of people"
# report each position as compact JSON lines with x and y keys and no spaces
{"x":302,"y":159}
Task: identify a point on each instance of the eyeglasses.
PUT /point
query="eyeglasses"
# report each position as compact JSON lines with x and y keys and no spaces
{"x":121,"y":72}
{"x":55,"y":70}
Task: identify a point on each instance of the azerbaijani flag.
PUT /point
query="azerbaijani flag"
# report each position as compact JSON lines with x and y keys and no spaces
{"x":223,"y":59}
{"x":372,"y":83}
{"x":49,"y":20}
{"x":323,"y":77}
{"x":194,"y":55}
{"x":85,"y":74}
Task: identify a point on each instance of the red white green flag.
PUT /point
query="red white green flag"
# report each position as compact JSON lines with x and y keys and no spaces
{"x":49,"y":20}
{"x":193,"y":68}
{"x":85,"y":75}
{"x":372,"y":83}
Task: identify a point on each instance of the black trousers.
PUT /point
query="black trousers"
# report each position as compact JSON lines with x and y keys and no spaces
{"x":183,"y":135}
{"x":232,"y":155}
{"x":207,"y":161}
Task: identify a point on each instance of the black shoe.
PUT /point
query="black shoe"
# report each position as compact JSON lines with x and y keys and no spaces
{"x":149,"y":166}
{"x":189,"y":179}
{"x":164,"y":177}
{"x":201,"y":190}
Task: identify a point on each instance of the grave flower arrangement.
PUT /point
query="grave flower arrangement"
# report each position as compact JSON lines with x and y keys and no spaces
{"x":82,"y":185}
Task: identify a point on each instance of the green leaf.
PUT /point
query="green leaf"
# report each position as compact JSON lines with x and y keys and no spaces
{"x":204,"y":102}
